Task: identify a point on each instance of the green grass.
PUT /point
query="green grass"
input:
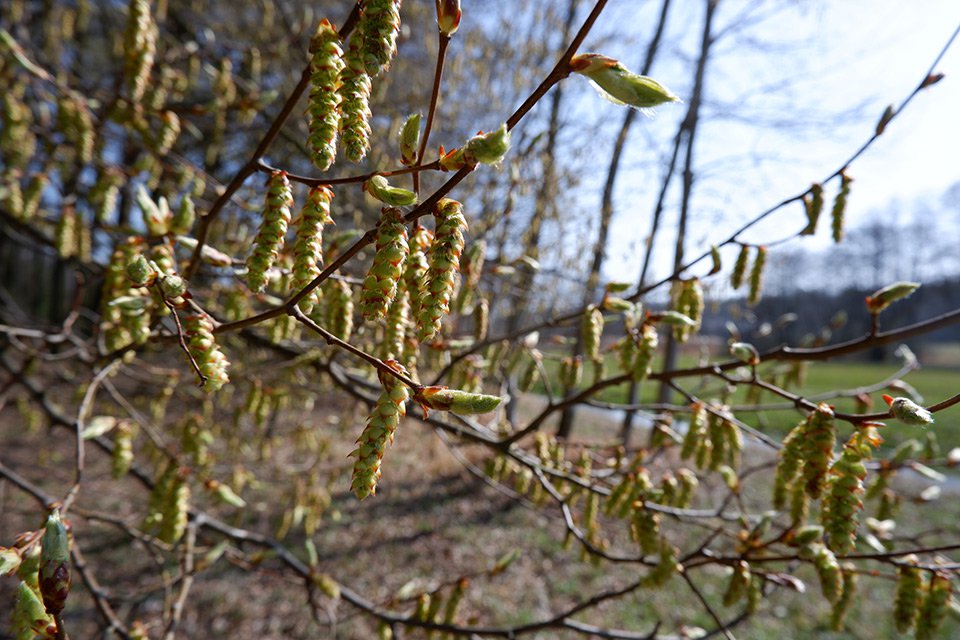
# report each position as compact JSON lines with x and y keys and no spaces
{"x":933,"y":384}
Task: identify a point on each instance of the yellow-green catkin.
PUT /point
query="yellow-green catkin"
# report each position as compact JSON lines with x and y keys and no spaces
{"x":843,"y":503}
{"x":906,"y":603}
{"x":828,"y":570}
{"x":738,"y":585}
{"x":933,"y":611}
{"x":481,"y":319}
{"x":840,"y":206}
{"x":788,"y":465}
{"x":308,"y":248}
{"x":415,"y":271}
{"x":444,"y":263}
{"x":176,"y":510}
{"x":645,"y":528}
{"x":846,"y":599}
{"x":696,"y":431}
{"x":326,"y":65}
{"x":379,"y":25}
{"x":381,"y":425}
{"x":740,"y":267}
{"x":666,"y":568}
{"x":688,"y":300}
{"x":140,"y":48}
{"x":76,"y":122}
{"x":471,"y":268}
{"x":756,"y":276}
{"x":355,"y":113}
{"x":571,"y":372}
{"x":380,"y":285}
{"x":591,"y":330}
{"x":198,"y":332}
{"x":820,"y":436}
{"x":122,"y":455}
{"x":638,"y":350}
{"x":65,"y":234}
{"x":397,"y":321}
{"x":105,"y":193}
{"x":273,"y":228}
{"x":339,"y":309}
{"x":813,"y":204}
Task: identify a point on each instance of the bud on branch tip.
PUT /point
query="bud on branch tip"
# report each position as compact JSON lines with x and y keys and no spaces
{"x":618,"y":84}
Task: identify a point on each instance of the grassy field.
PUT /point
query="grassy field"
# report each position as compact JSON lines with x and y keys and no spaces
{"x":822,"y":382}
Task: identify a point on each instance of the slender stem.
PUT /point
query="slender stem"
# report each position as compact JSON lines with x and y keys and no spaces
{"x":432,"y":111}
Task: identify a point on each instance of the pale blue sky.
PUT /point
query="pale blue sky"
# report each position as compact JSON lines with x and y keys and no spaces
{"x":827,"y":70}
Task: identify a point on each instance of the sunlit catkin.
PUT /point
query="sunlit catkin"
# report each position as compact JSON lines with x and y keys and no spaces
{"x":444,"y":261}
{"x":380,"y":285}
{"x":326,"y":65}
{"x":140,"y":47}
{"x":740,"y":267}
{"x":381,"y":425}
{"x":273,"y":228}
{"x":379,"y":25}
{"x":842,"y":505}
{"x":840,"y":206}
{"x":198,"y":332}
{"x":756,"y":276}
{"x":308,"y":248}
{"x":355,"y":102}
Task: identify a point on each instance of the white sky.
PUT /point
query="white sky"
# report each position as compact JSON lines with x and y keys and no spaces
{"x":825,"y":68}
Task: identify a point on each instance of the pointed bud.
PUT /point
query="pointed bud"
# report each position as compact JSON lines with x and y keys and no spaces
{"x":379,"y":188}
{"x":140,"y":271}
{"x":466,"y":404}
{"x":448,"y":16}
{"x":55,"y":564}
{"x":883,"y":298}
{"x":618,"y":84}
{"x":907,"y":411}
{"x":410,"y":139}
{"x":488,"y":148}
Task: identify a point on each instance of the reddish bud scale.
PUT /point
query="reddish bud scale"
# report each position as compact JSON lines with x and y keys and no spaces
{"x":355,"y":113}
{"x":326,"y":65}
{"x":380,"y":285}
{"x":378,"y":433}
{"x":273,"y":228}
{"x":308,"y":248}
{"x":444,"y":261}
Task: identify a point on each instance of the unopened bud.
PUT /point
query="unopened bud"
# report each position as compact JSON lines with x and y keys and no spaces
{"x":444,"y":399}
{"x":908,"y":411}
{"x":379,"y":188}
{"x":410,"y":139}
{"x":488,"y":148}
{"x":54,"y":564}
{"x":141,"y":272}
{"x":448,"y":16}
{"x":618,"y":84}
